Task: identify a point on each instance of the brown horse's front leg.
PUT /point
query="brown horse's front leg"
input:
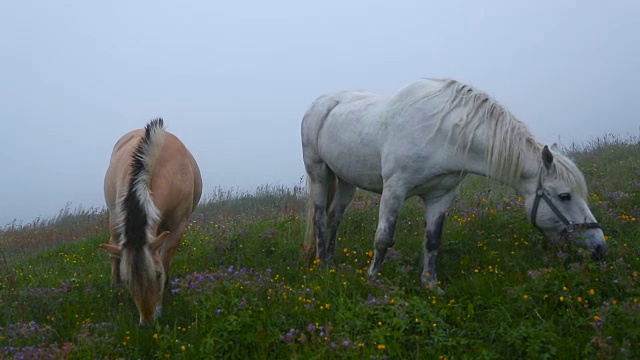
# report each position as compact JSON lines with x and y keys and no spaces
{"x":115,"y":271}
{"x":170,"y":246}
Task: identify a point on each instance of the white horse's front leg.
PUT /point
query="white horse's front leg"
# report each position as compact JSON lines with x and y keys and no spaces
{"x":390,"y":206}
{"x":434,"y":215}
{"x":433,"y":233}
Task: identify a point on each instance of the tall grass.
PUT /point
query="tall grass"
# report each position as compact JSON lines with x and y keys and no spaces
{"x":239,"y":287}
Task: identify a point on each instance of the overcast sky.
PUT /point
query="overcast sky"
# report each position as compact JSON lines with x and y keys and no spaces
{"x":233,"y":79}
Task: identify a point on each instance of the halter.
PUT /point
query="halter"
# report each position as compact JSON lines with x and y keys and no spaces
{"x":569,"y":227}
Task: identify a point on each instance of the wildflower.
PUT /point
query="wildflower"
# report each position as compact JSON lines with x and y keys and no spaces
{"x":526,"y":297}
{"x":561,"y":298}
{"x":155,"y":336}
{"x":382,"y":346}
{"x":592,"y":292}
{"x":183,"y":348}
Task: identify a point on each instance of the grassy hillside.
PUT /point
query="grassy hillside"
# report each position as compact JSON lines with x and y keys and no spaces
{"x":240,"y":288}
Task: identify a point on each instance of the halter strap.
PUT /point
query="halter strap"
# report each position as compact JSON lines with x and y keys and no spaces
{"x":569,"y":227}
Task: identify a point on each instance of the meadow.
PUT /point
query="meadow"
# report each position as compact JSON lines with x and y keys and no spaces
{"x":240,"y":289}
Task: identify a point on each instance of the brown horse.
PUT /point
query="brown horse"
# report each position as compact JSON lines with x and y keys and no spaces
{"x":151,"y":188}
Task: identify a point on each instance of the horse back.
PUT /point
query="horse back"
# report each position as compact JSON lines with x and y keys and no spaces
{"x":176,"y":184}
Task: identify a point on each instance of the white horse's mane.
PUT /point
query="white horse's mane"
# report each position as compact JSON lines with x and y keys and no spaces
{"x":508,"y":139}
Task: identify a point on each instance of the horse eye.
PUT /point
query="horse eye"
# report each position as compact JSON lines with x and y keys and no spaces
{"x":564,"y":196}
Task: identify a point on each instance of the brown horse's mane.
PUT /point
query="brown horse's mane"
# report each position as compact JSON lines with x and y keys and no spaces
{"x":138,"y":213}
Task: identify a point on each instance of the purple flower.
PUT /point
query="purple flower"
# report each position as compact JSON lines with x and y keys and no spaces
{"x":311,"y":327}
{"x":371,"y":300}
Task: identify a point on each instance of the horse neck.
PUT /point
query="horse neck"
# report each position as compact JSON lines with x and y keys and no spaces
{"x":526,"y":171}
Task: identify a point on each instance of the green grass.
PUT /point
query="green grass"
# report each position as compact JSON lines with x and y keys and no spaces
{"x":240,"y":288}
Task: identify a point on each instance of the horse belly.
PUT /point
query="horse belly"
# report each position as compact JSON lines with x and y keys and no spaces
{"x":356,"y":162}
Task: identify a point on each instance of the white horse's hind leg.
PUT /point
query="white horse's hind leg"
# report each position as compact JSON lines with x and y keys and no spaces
{"x":390,"y":206}
{"x":320,"y":182}
{"x":344,"y":195}
{"x":434,"y":216}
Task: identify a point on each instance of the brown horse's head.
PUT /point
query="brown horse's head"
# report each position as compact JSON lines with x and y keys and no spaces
{"x":143,"y":274}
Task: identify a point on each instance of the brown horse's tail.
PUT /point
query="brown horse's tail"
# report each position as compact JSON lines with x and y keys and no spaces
{"x":311,"y":241}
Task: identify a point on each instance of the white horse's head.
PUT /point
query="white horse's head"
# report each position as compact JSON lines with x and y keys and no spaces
{"x":559,"y":207}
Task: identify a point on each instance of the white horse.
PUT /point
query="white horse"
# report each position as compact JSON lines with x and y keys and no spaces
{"x":422,"y":141}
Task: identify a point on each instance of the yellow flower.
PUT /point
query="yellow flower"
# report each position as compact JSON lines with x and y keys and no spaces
{"x":561,"y":298}
{"x":382,"y":346}
{"x":155,"y":336}
{"x":526,"y":297}
{"x":183,"y":348}
{"x":592,"y":292}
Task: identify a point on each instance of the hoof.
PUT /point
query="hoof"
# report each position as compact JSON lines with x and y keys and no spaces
{"x":431,"y":284}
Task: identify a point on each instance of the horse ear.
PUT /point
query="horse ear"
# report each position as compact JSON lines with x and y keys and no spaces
{"x":112,"y":249}
{"x":158,"y":241}
{"x":555,"y":147}
{"x":547,"y":157}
